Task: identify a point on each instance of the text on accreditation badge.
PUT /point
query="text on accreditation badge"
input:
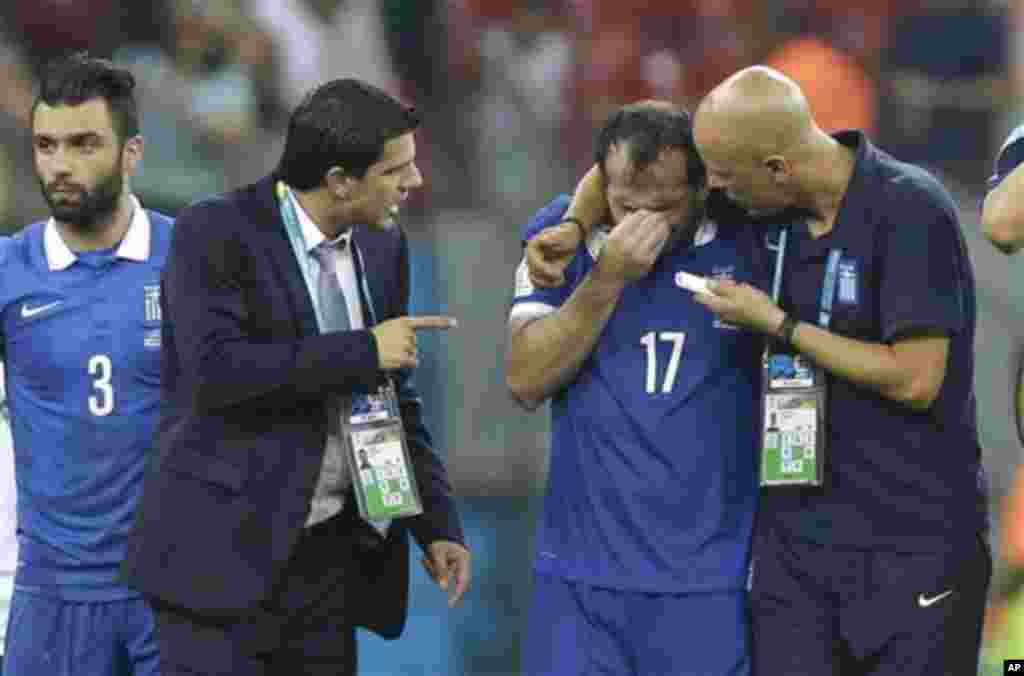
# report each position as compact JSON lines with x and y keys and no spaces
{"x":793,"y":401}
{"x":379,"y":459}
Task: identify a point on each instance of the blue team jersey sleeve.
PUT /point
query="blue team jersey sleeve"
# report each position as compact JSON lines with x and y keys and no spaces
{"x":529,"y":300}
{"x":1010,"y":156}
{"x":924,"y":265}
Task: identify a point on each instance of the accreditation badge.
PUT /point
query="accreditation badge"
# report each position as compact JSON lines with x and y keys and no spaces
{"x":379,"y":460}
{"x":793,"y":401}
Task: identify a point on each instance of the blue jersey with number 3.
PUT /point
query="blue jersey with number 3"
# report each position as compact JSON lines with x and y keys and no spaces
{"x":652,"y":482}
{"x":81,"y":344}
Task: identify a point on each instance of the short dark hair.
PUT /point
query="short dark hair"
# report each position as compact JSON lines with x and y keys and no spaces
{"x":79,"y":78}
{"x":343,"y":123}
{"x":647,"y":128}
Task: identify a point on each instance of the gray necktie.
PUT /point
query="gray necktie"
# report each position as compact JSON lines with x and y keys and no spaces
{"x":328,"y":498}
{"x":333,"y":307}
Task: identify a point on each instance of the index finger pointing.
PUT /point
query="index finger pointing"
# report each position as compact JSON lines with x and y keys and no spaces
{"x":431,"y":322}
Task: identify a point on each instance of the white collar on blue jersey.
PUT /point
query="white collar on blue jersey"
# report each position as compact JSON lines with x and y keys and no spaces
{"x":134,"y":246}
{"x":311,"y":235}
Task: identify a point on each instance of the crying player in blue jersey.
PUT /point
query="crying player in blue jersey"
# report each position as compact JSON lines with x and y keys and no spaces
{"x":643,"y":546}
{"x":80,"y":336}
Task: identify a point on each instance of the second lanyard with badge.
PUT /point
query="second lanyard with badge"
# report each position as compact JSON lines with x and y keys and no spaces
{"x":794,"y":397}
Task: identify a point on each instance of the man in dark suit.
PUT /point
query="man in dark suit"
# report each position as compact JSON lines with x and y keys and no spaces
{"x":248,"y":542}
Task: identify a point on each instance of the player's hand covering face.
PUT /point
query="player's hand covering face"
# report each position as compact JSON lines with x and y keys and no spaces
{"x":634,"y":245}
{"x":659,"y":187}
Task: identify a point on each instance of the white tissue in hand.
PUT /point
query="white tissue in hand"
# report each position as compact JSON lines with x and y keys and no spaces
{"x":694,"y":283}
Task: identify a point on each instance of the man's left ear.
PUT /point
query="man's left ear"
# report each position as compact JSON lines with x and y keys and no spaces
{"x":132,"y":155}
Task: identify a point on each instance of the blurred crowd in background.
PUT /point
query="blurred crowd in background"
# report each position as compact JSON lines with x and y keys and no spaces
{"x":513,"y":91}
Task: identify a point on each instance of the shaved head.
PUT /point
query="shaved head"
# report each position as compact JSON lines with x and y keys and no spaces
{"x":762,"y":148}
{"x":759,"y":141}
{"x":758,"y":109}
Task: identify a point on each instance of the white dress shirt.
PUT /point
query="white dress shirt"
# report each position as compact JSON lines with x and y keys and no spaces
{"x":324,"y":503}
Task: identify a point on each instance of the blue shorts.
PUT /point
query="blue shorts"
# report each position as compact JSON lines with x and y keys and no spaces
{"x":579,"y":630}
{"x":49,"y":636}
{"x":823,"y":610}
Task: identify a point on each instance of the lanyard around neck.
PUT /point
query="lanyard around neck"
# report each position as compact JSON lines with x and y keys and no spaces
{"x":828,"y":287}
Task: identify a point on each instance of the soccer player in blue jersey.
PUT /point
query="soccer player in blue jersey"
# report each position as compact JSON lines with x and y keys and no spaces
{"x":81,"y":345}
{"x":643,"y":545}
{"x":1002,"y":212}
{"x":884,"y":568}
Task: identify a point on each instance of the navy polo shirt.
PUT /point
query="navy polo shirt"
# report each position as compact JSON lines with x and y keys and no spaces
{"x":897,"y":478}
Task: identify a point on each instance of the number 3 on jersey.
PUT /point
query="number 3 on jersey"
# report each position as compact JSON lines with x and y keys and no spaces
{"x":650,"y":341}
{"x":101,"y":402}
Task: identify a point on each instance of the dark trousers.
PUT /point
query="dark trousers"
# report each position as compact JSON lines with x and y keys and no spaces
{"x":824,"y":611}
{"x":300,"y":630}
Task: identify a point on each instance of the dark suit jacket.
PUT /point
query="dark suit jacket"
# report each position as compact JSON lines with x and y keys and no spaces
{"x":245,"y":377}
